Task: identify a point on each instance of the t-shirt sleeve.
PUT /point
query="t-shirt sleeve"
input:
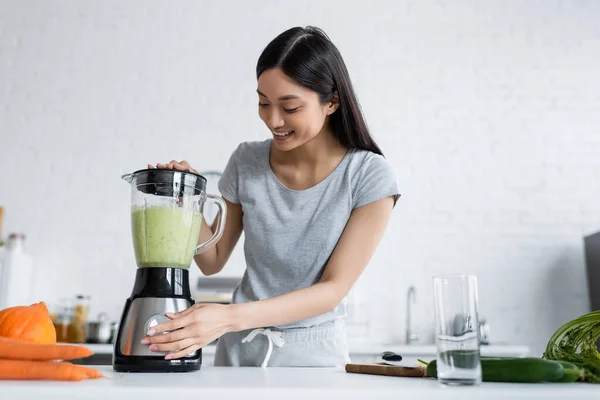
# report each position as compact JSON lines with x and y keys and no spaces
{"x":228,"y":184}
{"x":377,"y":181}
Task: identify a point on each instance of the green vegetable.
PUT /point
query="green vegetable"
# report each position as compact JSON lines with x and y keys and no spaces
{"x":525,"y":370}
{"x":575,"y":342}
{"x":432,"y":369}
{"x":572,"y":372}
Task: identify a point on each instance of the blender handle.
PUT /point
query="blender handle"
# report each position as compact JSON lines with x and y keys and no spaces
{"x":221,"y":215}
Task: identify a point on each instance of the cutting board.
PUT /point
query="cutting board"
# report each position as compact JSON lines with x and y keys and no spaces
{"x":385,"y":369}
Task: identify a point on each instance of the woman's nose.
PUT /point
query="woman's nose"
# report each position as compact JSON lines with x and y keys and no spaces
{"x":275,"y":120}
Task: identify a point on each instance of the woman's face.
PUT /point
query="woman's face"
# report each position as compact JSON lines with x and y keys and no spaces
{"x":293,"y":114}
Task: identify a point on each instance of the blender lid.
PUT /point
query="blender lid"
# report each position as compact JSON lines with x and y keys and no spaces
{"x":167,"y":182}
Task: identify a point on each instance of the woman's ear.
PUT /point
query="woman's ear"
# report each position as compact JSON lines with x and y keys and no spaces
{"x":333,"y":104}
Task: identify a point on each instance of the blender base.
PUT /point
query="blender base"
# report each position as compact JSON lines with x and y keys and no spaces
{"x":156,"y":364}
{"x":156,"y":291}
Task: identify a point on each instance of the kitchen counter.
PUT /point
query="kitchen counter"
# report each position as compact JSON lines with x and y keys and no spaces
{"x":366,"y":348}
{"x":290,"y":383}
{"x":494,"y":350}
{"x":360,"y":352}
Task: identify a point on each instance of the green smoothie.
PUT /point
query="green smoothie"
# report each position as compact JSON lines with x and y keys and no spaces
{"x":165,"y":236}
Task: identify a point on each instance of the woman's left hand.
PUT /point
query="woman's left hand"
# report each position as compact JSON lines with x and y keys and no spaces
{"x":190,"y":329}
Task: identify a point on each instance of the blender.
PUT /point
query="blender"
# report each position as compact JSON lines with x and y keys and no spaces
{"x":166,"y":218}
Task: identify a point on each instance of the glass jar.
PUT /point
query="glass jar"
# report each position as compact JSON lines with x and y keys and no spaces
{"x":15,"y":242}
{"x":1,"y":221}
{"x":76,"y":329}
{"x":63,"y":320}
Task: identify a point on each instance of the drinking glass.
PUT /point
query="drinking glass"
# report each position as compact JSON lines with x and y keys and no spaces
{"x":457,"y":329}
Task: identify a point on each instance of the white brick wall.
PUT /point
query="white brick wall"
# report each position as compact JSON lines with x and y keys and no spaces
{"x":488,"y":111}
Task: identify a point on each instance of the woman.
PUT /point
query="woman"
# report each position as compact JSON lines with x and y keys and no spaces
{"x":313,"y":201}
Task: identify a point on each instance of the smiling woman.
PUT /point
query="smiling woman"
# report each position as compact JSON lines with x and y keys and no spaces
{"x":313,"y":202}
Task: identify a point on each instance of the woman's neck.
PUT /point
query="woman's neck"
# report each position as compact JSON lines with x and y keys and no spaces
{"x":309,"y":164}
{"x":318,"y":151}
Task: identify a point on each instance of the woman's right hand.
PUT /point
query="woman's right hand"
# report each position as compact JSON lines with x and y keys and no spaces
{"x":178,"y":165}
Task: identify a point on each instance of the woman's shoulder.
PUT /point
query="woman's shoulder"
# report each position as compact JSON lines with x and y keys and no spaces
{"x":251,"y":153}
{"x":373,"y":177}
{"x":365,"y":161}
{"x":252,"y":149}
{"x":248,"y":158}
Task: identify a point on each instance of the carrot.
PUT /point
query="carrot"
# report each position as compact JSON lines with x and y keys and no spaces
{"x":93,"y":373}
{"x":15,"y":349}
{"x":45,"y":370}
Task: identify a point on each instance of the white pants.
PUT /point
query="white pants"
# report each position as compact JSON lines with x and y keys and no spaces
{"x":320,"y":346}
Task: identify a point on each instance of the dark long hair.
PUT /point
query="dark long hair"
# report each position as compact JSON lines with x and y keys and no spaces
{"x":308,"y":56}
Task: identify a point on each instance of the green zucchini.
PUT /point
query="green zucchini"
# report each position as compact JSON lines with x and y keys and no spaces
{"x":572,"y":372}
{"x":526,"y":370}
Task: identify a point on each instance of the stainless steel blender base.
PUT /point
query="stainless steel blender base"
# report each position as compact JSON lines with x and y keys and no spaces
{"x":143,"y":314}
{"x":156,"y":291}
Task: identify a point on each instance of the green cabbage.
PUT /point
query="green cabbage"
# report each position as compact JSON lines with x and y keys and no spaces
{"x":575,"y":342}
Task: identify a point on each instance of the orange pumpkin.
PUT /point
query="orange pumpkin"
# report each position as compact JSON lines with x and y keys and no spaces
{"x":30,"y":323}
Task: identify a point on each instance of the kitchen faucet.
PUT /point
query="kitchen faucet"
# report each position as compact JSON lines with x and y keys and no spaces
{"x":411,"y":337}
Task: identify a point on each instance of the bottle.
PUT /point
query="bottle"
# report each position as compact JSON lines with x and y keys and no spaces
{"x":16,"y":242}
{"x":76,"y":331}
{"x":3,"y":266}
{"x":1,"y":220}
{"x":63,"y":320}
{"x":16,"y":273}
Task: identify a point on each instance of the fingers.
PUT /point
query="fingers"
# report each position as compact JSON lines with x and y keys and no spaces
{"x":171,"y":325}
{"x":177,"y":165}
{"x":184,"y":164}
{"x":174,"y":346}
{"x":173,"y":165}
{"x":185,"y":312}
{"x":177,"y":320}
{"x":168,"y":337}
{"x":188,"y":167}
{"x":183,"y":353}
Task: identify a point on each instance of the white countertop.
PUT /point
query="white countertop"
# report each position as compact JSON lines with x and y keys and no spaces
{"x":287,"y":383}
{"x":368,"y":348}
{"x":365,"y":347}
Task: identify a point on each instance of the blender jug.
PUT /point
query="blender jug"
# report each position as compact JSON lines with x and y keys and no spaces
{"x":166,"y":217}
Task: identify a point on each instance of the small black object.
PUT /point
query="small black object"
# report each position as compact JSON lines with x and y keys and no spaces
{"x":391,"y":356}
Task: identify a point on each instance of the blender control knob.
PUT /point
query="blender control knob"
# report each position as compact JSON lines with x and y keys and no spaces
{"x":155,"y":320}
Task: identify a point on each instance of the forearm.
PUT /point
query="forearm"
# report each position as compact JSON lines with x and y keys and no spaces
{"x":290,"y":307}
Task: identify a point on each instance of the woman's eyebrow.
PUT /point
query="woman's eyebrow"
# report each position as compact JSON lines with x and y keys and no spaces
{"x":282,"y":98}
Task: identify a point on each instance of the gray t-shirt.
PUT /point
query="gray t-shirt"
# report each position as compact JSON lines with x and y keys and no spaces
{"x":290,"y":234}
